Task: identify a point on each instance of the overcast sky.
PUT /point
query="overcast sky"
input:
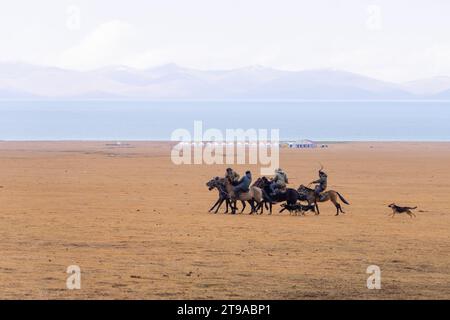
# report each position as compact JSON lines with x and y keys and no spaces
{"x":392,"y":40}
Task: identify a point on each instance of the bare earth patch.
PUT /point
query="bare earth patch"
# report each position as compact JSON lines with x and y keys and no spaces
{"x":138,"y":226}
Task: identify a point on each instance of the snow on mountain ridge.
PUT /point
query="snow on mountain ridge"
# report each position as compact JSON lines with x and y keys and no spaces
{"x":171,"y":81}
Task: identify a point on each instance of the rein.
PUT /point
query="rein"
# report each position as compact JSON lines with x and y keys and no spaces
{"x":222,"y":190}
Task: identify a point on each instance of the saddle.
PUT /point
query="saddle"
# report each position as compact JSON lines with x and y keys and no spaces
{"x":247,"y":190}
{"x":280,"y":190}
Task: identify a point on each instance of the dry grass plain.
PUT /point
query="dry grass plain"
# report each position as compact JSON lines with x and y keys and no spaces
{"x":138,"y":225}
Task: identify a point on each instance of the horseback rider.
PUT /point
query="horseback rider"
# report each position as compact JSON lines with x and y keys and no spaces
{"x":243,"y":184}
{"x":279,"y":181}
{"x":321,"y":184}
{"x":232,"y":175}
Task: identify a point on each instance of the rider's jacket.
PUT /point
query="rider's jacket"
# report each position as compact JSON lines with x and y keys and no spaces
{"x":322,"y":181}
{"x":280,"y":178}
{"x":244,"y":183}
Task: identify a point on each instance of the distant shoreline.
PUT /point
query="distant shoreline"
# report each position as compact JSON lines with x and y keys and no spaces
{"x":262,"y":100}
{"x":124,"y":141}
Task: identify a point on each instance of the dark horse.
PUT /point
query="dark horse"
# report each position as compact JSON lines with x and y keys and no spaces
{"x":291,"y":196}
{"x":217,"y":183}
{"x":310,"y":196}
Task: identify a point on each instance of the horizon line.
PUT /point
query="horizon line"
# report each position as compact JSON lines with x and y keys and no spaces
{"x":284,"y":140}
{"x":68,"y":99}
{"x":249,"y":66}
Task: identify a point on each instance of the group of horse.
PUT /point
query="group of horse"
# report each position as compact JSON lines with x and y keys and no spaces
{"x":259,"y":197}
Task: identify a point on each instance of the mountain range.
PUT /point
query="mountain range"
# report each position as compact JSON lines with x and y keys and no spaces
{"x":20,"y":81}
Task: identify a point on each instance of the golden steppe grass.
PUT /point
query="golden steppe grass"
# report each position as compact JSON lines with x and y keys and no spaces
{"x":138,"y":226}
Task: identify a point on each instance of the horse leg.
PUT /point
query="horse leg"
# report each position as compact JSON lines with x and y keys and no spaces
{"x":259,"y":206}
{"x":215,"y":204}
{"x":227,"y":203}
{"x":220,"y":204}
{"x":317,"y":208}
{"x":233,"y":206}
{"x":243,"y":206}
{"x":337,"y":205}
{"x":253,"y":206}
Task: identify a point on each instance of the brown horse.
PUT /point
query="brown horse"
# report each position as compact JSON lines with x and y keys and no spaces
{"x":331,"y":195}
{"x":255,"y":194}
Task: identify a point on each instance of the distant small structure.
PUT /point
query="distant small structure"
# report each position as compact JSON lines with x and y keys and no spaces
{"x":117,"y":144}
{"x":301,"y":144}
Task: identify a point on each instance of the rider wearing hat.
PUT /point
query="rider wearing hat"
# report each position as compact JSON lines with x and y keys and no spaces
{"x":279,"y":181}
{"x":232,"y":175}
{"x":321,"y":183}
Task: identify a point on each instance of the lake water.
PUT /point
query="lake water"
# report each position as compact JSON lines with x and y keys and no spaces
{"x":330,"y":121}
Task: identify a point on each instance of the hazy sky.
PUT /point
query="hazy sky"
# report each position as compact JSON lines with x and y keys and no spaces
{"x":392,"y":40}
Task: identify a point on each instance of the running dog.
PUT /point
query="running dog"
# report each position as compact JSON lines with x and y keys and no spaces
{"x":397,"y":210}
{"x":296,"y":208}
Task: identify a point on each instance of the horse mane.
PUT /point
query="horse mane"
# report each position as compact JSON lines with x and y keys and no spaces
{"x":307,"y":188}
{"x":257,"y":182}
{"x":261,"y":182}
{"x":217,"y":180}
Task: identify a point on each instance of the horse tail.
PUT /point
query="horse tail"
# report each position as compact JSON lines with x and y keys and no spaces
{"x":342,"y":198}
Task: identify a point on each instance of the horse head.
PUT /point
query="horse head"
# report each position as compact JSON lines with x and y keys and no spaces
{"x":211,"y":184}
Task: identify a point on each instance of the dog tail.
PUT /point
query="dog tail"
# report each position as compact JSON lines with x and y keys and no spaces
{"x":413,"y":208}
{"x":342,"y":198}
